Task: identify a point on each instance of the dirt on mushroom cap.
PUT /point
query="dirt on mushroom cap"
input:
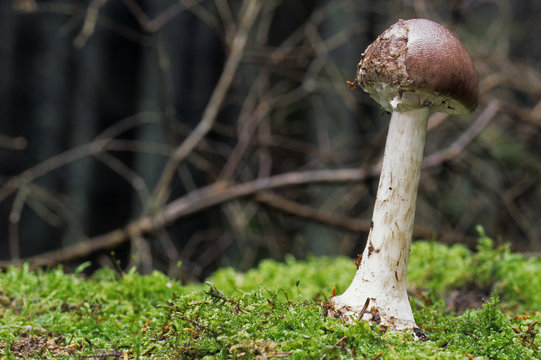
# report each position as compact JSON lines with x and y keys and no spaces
{"x":422,"y":57}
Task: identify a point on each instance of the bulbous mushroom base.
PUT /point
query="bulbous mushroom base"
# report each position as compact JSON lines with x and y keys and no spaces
{"x":391,"y":312}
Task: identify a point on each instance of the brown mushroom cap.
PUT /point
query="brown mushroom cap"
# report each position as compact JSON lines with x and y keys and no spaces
{"x":424,"y":64}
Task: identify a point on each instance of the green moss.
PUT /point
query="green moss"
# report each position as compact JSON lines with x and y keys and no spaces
{"x":440,"y":269}
{"x":275,"y":310}
{"x":316,"y":276}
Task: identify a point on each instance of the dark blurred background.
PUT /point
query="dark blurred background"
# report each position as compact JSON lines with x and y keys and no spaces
{"x":96,"y":95}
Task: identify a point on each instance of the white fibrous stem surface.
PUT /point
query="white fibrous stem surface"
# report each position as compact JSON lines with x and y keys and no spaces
{"x":378,"y":290}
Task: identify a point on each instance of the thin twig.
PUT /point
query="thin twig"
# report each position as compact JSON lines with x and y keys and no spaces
{"x":138,"y":13}
{"x":203,"y":14}
{"x":465,"y":138}
{"x":50,"y":164}
{"x":248,"y":123}
{"x":14,"y":219}
{"x":89,"y":23}
{"x":136,"y":181}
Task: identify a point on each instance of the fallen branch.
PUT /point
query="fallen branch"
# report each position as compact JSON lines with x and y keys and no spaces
{"x":318,"y":215}
{"x":193,"y":202}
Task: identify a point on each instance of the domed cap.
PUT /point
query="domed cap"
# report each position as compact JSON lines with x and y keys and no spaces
{"x":417,"y":63}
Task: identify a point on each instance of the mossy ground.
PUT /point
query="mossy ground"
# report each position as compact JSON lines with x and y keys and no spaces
{"x":274,"y":311}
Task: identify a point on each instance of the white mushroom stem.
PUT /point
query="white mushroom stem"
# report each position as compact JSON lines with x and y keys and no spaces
{"x":378,"y":291}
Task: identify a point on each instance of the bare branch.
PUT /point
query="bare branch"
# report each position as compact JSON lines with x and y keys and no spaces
{"x":250,"y":13}
{"x":89,"y":23}
{"x":102,"y":142}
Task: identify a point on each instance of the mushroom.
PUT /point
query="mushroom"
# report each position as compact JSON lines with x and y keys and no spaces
{"x":414,"y":67}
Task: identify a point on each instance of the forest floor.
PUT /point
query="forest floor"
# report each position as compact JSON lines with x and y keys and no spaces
{"x":471,"y":305}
